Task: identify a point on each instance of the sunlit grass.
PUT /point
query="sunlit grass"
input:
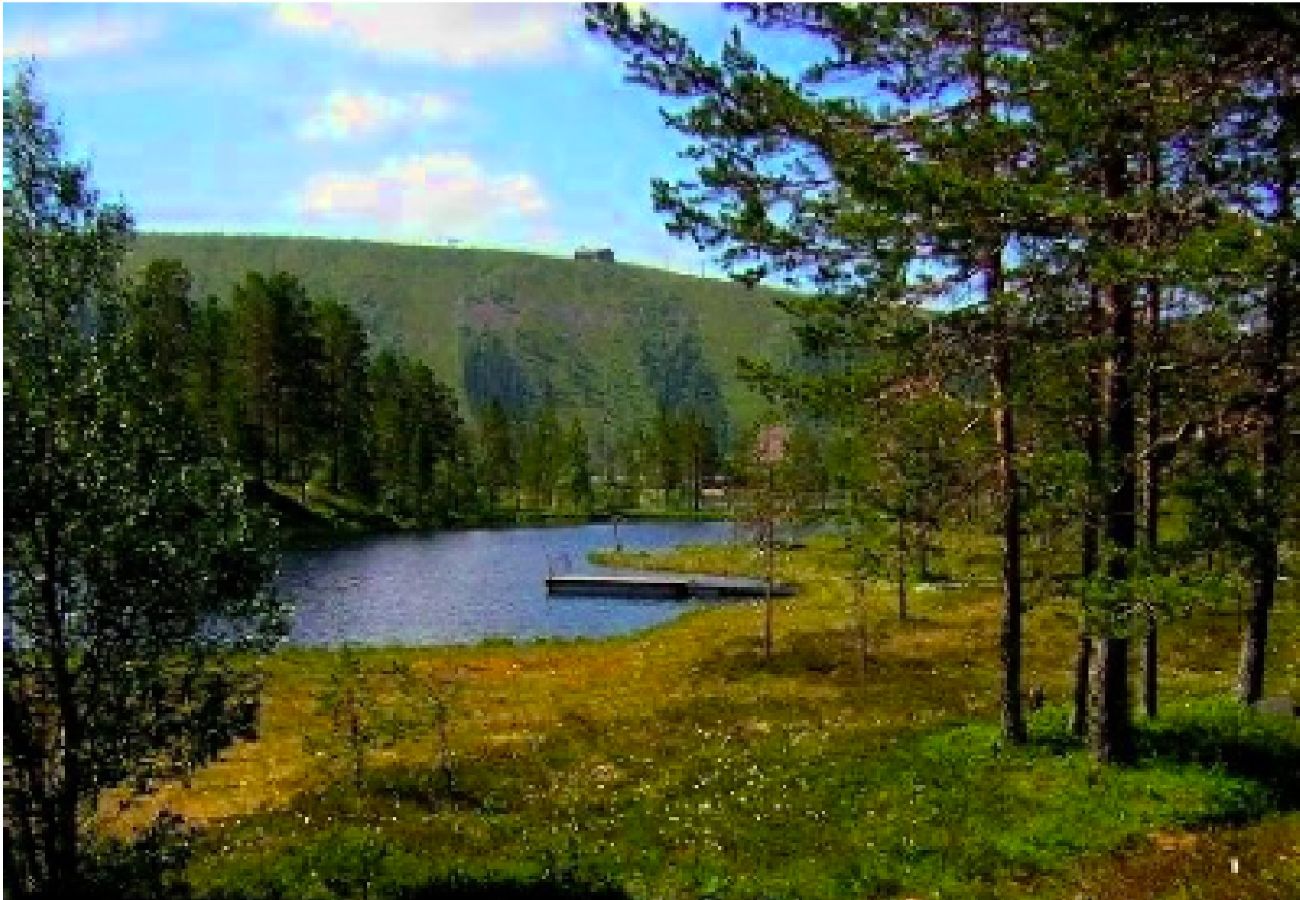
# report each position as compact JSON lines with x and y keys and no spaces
{"x":680,"y":762}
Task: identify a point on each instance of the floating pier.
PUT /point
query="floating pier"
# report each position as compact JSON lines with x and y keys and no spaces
{"x":663,"y":587}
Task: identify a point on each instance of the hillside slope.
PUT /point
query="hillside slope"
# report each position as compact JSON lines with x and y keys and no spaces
{"x":609,"y":340}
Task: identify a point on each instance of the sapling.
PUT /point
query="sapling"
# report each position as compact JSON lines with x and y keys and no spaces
{"x":358,"y":724}
{"x":439,"y":695}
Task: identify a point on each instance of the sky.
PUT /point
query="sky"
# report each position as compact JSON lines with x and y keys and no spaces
{"x":488,"y":125}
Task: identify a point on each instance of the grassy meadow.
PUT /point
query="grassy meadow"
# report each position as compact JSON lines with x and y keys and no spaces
{"x":862,"y":760}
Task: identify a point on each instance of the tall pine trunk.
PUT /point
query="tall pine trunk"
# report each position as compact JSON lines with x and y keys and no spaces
{"x":1151,"y":525}
{"x":336,"y":429}
{"x":1112,"y":729}
{"x":1090,"y":549}
{"x":697,"y":476}
{"x":1151,"y":470}
{"x":1273,"y":376}
{"x":1013,"y":721}
{"x":902,"y":569}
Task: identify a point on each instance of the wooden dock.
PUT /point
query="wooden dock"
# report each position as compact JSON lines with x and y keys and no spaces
{"x":662,"y":587}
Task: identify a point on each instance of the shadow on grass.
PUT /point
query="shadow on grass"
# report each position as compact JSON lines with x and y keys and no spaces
{"x":510,"y":890}
{"x":818,"y":653}
{"x":836,"y":653}
{"x":458,"y":889}
{"x":488,"y":782}
{"x":427,"y":787}
{"x":1212,"y":734}
{"x":1247,"y":744}
{"x":360,"y":859}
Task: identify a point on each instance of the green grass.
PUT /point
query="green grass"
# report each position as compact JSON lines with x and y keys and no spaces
{"x":680,"y":763}
{"x":794,"y":812}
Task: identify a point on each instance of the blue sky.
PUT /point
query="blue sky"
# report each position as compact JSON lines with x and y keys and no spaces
{"x":492,"y":124}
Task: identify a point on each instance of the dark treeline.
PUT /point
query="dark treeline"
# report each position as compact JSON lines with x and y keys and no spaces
{"x":539,"y":463}
{"x":294,"y":388}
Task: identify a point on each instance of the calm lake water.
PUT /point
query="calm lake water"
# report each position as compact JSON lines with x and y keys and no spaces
{"x":463,"y":586}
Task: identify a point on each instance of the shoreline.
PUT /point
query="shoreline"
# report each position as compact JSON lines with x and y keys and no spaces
{"x":324,"y":537}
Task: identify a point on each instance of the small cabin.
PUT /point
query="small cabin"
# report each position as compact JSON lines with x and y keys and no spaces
{"x":594,"y":254}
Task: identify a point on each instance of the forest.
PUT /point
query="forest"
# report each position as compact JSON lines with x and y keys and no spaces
{"x":1106,"y":197}
{"x":360,"y":438}
{"x":1032,"y":471}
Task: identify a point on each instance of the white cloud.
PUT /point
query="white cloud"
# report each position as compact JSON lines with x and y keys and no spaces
{"x":453,"y":34}
{"x":347,"y":114}
{"x":97,"y":33}
{"x":424,"y":196}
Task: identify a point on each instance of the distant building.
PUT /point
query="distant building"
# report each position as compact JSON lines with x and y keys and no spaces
{"x":594,"y":254}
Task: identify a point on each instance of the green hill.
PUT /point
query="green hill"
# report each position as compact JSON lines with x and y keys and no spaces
{"x":599,"y":338}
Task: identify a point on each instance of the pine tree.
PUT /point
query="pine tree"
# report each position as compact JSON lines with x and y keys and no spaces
{"x":497,"y":445}
{"x":389,"y":422}
{"x":345,"y":350}
{"x":1251,"y":58}
{"x":161,"y":316}
{"x":577,"y":468}
{"x":210,"y":395}
{"x":802,"y":178}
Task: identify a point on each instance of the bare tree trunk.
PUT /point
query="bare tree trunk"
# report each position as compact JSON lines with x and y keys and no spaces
{"x":1091,"y":538}
{"x":860,"y":608}
{"x":1013,"y":722}
{"x":1151,"y":471}
{"x":1112,"y":730}
{"x":1254,"y":641}
{"x":1082,"y":663}
{"x":1151,"y":475}
{"x":696,"y":477}
{"x":902,"y":570}
{"x":924,"y":548}
{"x":1273,"y":374}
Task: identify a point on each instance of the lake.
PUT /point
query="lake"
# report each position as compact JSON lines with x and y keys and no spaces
{"x":454,"y":587}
